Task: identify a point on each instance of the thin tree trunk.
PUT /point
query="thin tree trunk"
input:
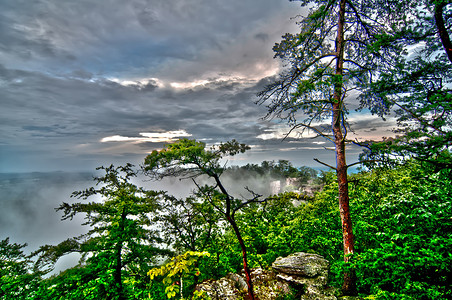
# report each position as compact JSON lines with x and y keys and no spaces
{"x":117,"y":273}
{"x":245,"y":260}
{"x":231,"y":220}
{"x":349,"y":285}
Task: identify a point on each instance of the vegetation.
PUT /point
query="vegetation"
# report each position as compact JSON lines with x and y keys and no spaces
{"x":387,"y":54}
{"x":144,"y":244}
{"x":416,"y":86}
{"x":190,"y":158}
{"x":119,"y":247}
{"x":178,"y":268}
{"x":403,"y":239}
{"x":18,"y":280}
{"x":316,"y":86}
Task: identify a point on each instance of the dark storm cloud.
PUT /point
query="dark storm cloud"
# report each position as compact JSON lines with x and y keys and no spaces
{"x":75,"y":72}
{"x":71,"y":115}
{"x":135,"y":37}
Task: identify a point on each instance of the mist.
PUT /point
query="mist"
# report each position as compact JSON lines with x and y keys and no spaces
{"x":28,"y":202}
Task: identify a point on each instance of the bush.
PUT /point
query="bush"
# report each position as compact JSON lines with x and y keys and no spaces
{"x":404,"y":233}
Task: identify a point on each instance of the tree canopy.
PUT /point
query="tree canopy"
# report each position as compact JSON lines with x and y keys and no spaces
{"x":383,"y":53}
{"x":416,"y":85}
{"x":120,"y":238}
{"x":191,"y":158}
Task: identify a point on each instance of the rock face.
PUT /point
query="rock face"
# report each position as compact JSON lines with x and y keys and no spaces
{"x":233,"y":286}
{"x":310,"y":271}
{"x":301,"y":276}
{"x":223,"y":288}
{"x":304,"y":265}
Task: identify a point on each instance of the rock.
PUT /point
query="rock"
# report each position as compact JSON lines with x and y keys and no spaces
{"x":267,"y":287}
{"x":233,"y":286}
{"x":302,"y":264}
{"x":220,"y":289}
{"x":318,"y":293}
{"x":303,"y":268}
{"x":239,"y":281}
{"x":303,"y":275}
{"x":307,"y":270}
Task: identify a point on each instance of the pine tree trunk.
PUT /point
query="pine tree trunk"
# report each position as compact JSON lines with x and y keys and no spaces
{"x":349,"y":286}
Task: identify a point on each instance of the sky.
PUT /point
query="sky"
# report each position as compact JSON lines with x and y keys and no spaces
{"x":90,"y":83}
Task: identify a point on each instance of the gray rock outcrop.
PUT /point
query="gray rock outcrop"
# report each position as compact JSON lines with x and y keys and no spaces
{"x":302,"y":275}
{"x":307,"y":270}
{"x":311,"y":266}
{"x":233,"y":286}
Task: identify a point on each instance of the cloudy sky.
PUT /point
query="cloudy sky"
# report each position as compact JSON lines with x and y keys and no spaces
{"x":87,"y":83}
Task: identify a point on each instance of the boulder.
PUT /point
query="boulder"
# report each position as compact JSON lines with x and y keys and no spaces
{"x":233,"y":286}
{"x":308,"y":270}
{"x":302,"y":275}
{"x":303,"y":268}
{"x":304,"y":265}
{"x":223,"y":289}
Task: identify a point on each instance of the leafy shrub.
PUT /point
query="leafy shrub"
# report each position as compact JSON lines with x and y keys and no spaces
{"x":404,"y":233}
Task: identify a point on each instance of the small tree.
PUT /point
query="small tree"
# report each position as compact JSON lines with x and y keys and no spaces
{"x":119,"y":240}
{"x":176,"y":269}
{"x":190,"y":159}
{"x":18,"y":280}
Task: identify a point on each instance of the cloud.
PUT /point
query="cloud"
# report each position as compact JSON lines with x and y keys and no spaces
{"x":175,"y":40}
{"x":64,"y":118}
{"x":148,"y":137}
{"x":371,"y":127}
{"x":86,"y":83}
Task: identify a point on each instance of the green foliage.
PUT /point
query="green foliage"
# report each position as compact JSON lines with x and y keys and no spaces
{"x":330,"y":57}
{"x":188,"y":224}
{"x":225,"y":255}
{"x":179,"y":267}
{"x":303,"y":92}
{"x":82,"y":282}
{"x":200,"y":295}
{"x":269,"y":229}
{"x":119,"y":247}
{"x":17,"y":280}
{"x":403,"y":232}
{"x":416,"y":86}
{"x":189,"y":157}
{"x":285,"y":224}
{"x":405,"y":226}
{"x":403,"y":229}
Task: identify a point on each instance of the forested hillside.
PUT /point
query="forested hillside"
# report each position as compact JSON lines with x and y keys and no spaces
{"x":403,"y":225}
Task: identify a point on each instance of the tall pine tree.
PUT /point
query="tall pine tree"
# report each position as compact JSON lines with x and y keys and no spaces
{"x":335,"y":56}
